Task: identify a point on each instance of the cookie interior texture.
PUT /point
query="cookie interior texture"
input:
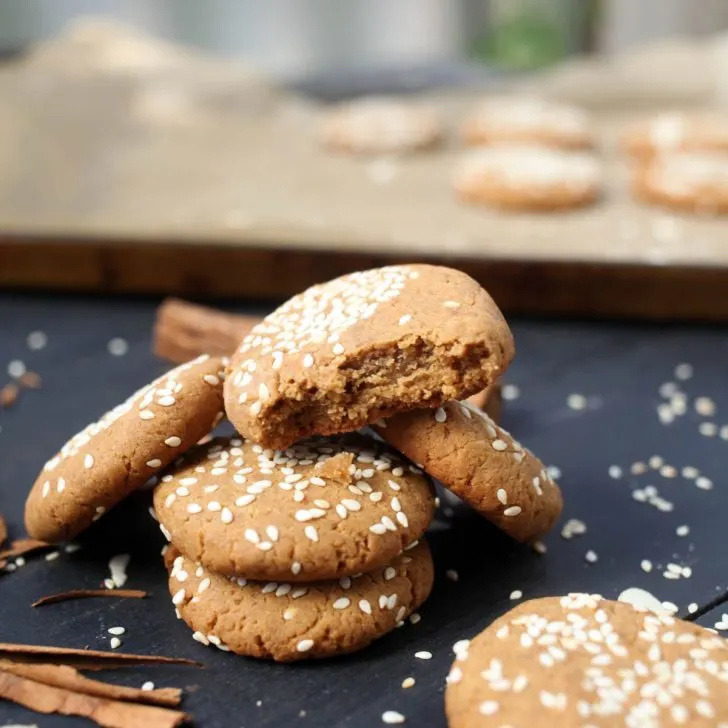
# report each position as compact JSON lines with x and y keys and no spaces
{"x":411,"y":336}
{"x":287,"y":622}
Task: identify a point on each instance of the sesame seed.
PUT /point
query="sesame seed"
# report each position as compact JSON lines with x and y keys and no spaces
{"x":342,"y":603}
{"x":117,"y":346}
{"x":509,"y":392}
{"x":423,"y":655}
{"x":148,"y":685}
{"x":512,"y":511}
{"x":577,"y":402}
{"x":365,"y":606}
{"x":173,"y":441}
{"x":304,"y":645}
{"x":646,"y":566}
{"x":440,"y":415}
{"x":591,"y":557}
{"x":451,"y":304}
{"x":392,"y":717}
{"x":308,"y":361}
{"x":296,"y":567}
{"x":408,"y":682}
{"x":311,"y":533}
{"x":488,"y":707}
{"x":146,"y":415}
{"x":114,"y":643}
{"x":682,"y":530}
{"x":154,"y":463}
{"x":211,"y":379}
{"x":452,"y":575}
{"x":36,"y":340}
{"x":683,"y":372}
{"x":499,"y":445}
{"x":693,"y":607}
{"x":116,"y":630}
{"x":194,"y":508}
{"x":515,"y":595}
{"x":405,"y":319}
{"x":226,"y":516}
{"x":52,"y":556}
{"x":502,"y":496}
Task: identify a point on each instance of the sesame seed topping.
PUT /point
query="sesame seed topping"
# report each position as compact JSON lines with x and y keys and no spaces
{"x":365,"y":606}
{"x":440,"y":415}
{"x":342,"y":603}
{"x":499,"y":445}
{"x":502,"y":496}
{"x":154,"y":463}
{"x":512,"y":511}
{"x":173,"y":441}
{"x":304,"y":645}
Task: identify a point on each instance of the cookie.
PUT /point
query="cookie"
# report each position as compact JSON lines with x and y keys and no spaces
{"x":321,"y":509}
{"x":380,"y":126}
{"x":688,"y":181}
{"x":528,"y":178}
{"x":581,"y":660}
{"x":364,"y":346}
{"x":285,"y":621}
{"x":530,"y":121}
{"x":489,"y":400}
{"x":463,"y":448}
{"x":674,"y":132}
{"x":109,"y":459}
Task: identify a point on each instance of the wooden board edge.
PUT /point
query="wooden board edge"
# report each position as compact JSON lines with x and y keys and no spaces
{"x":207,"y":271}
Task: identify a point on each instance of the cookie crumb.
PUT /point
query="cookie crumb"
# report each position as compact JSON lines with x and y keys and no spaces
{"x":408,"y":682}
{"x":392,"y":717}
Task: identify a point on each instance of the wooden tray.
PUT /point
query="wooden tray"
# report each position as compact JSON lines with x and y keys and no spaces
{"x":196,"y":178}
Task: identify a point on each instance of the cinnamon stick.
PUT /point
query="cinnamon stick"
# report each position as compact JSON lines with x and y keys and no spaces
{"x":63,"y":676}
{"x":183,"y":331}
{"x":3,"y":530}
{"x":47,"y":699}
{"x":89,"y":594}
{"x":85,"y":659}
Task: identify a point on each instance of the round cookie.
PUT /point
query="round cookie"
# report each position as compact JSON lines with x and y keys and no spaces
{"x":380,"y":126}
{"x":688,"y":181}
{"x":528,"y":178}
{"x":364,"y":346}
{"x":530,"y":121}
{"x":461,"y":446}
{"x":286,"y":622}
{"x":110,"y":458}
{"x":581,"y":660}
{"x":321,"y":509}
{"x":674,"y":132}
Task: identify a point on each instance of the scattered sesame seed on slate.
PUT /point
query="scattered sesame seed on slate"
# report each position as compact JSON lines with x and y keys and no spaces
{"x":615,"y":472}
{"x":118,"y":346}
{"x":683,"y":372}
{"x":515,"y":594}
{"x":591,"y":556}
{"x":36,"y":340}
{"x":452,"y":575}
{"x":423,"y":655}
{"x":114,"y":643}
{"x":576,"y":402}
{"x":510,"y":392}
{"x":16,"y":369}
{"x":392,"y":717}
{"x":52,"y":556}
{"x":116,"y":631}
{"x":408,"y":682}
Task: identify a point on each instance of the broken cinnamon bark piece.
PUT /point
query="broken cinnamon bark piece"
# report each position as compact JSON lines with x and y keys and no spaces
{"x":30,"y":380}
{"x":63,"y":676}
{"x":183,"y":331}
{"x":89,"y":594}
{"x":85,"y":659}
{"x":47,"y":699}
{"x":9,"y":395}
{"x":23,"y":546}
{"x":3,"y":530}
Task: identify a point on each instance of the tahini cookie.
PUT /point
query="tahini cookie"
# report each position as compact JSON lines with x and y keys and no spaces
{"x":675,"y":132}
{"x":480,"y":462}
{"x":321,"y":509}
{"x":581,"y":660}
{"x":531,"y":121}
{"x":109,"y":459}
{"x":380,"y":126}
{"x":529,"y":178}
{"x":286,"y":621}
{"x":688,"y":181}
{"x":364,"y":346}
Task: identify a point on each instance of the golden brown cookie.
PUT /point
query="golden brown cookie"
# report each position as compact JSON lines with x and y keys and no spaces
{"x":481,"y":463}
{"x":380,"y":126}
{"x":675,"y":132}
{"x":345,"y":353}
{"x":283,"y":621}
{"x":689,"y":181}
{"x":118,"y":454}
{"x":528,"y":178}
{"x":530,"y":121}
{"x":321,"y":509}
{"x":581,"y":660}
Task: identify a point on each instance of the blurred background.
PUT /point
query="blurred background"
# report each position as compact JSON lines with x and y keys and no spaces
{"x":294,"y":38}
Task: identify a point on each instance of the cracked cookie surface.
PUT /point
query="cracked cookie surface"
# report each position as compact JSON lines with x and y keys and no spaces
{"x":285,"y":621}
{"x":343,"y":354}
{"x":463,"y":448}
{"x":581,"y":660}
{"x":323,"y":508}
{"x":110,"y":458}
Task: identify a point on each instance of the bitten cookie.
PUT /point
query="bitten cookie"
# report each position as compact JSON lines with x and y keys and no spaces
{"x":528,"y":178}
{"x":581,"y":660}
{"x":345,"y":353}
{"x":526,"y":120}
{"x":689,"y":181}
{"x":380,"y":126}
{"x":481,"y":463}
{"x":674,"y":132}
{"x":321,"y":509}
{"x":286,"y":622}
{"x":118,"y":454}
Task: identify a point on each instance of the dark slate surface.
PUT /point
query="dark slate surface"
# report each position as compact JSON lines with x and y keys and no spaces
{"x":619,"y":368}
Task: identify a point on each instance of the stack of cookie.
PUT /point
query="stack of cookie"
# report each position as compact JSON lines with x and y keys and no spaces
{"x":302,"y":536}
